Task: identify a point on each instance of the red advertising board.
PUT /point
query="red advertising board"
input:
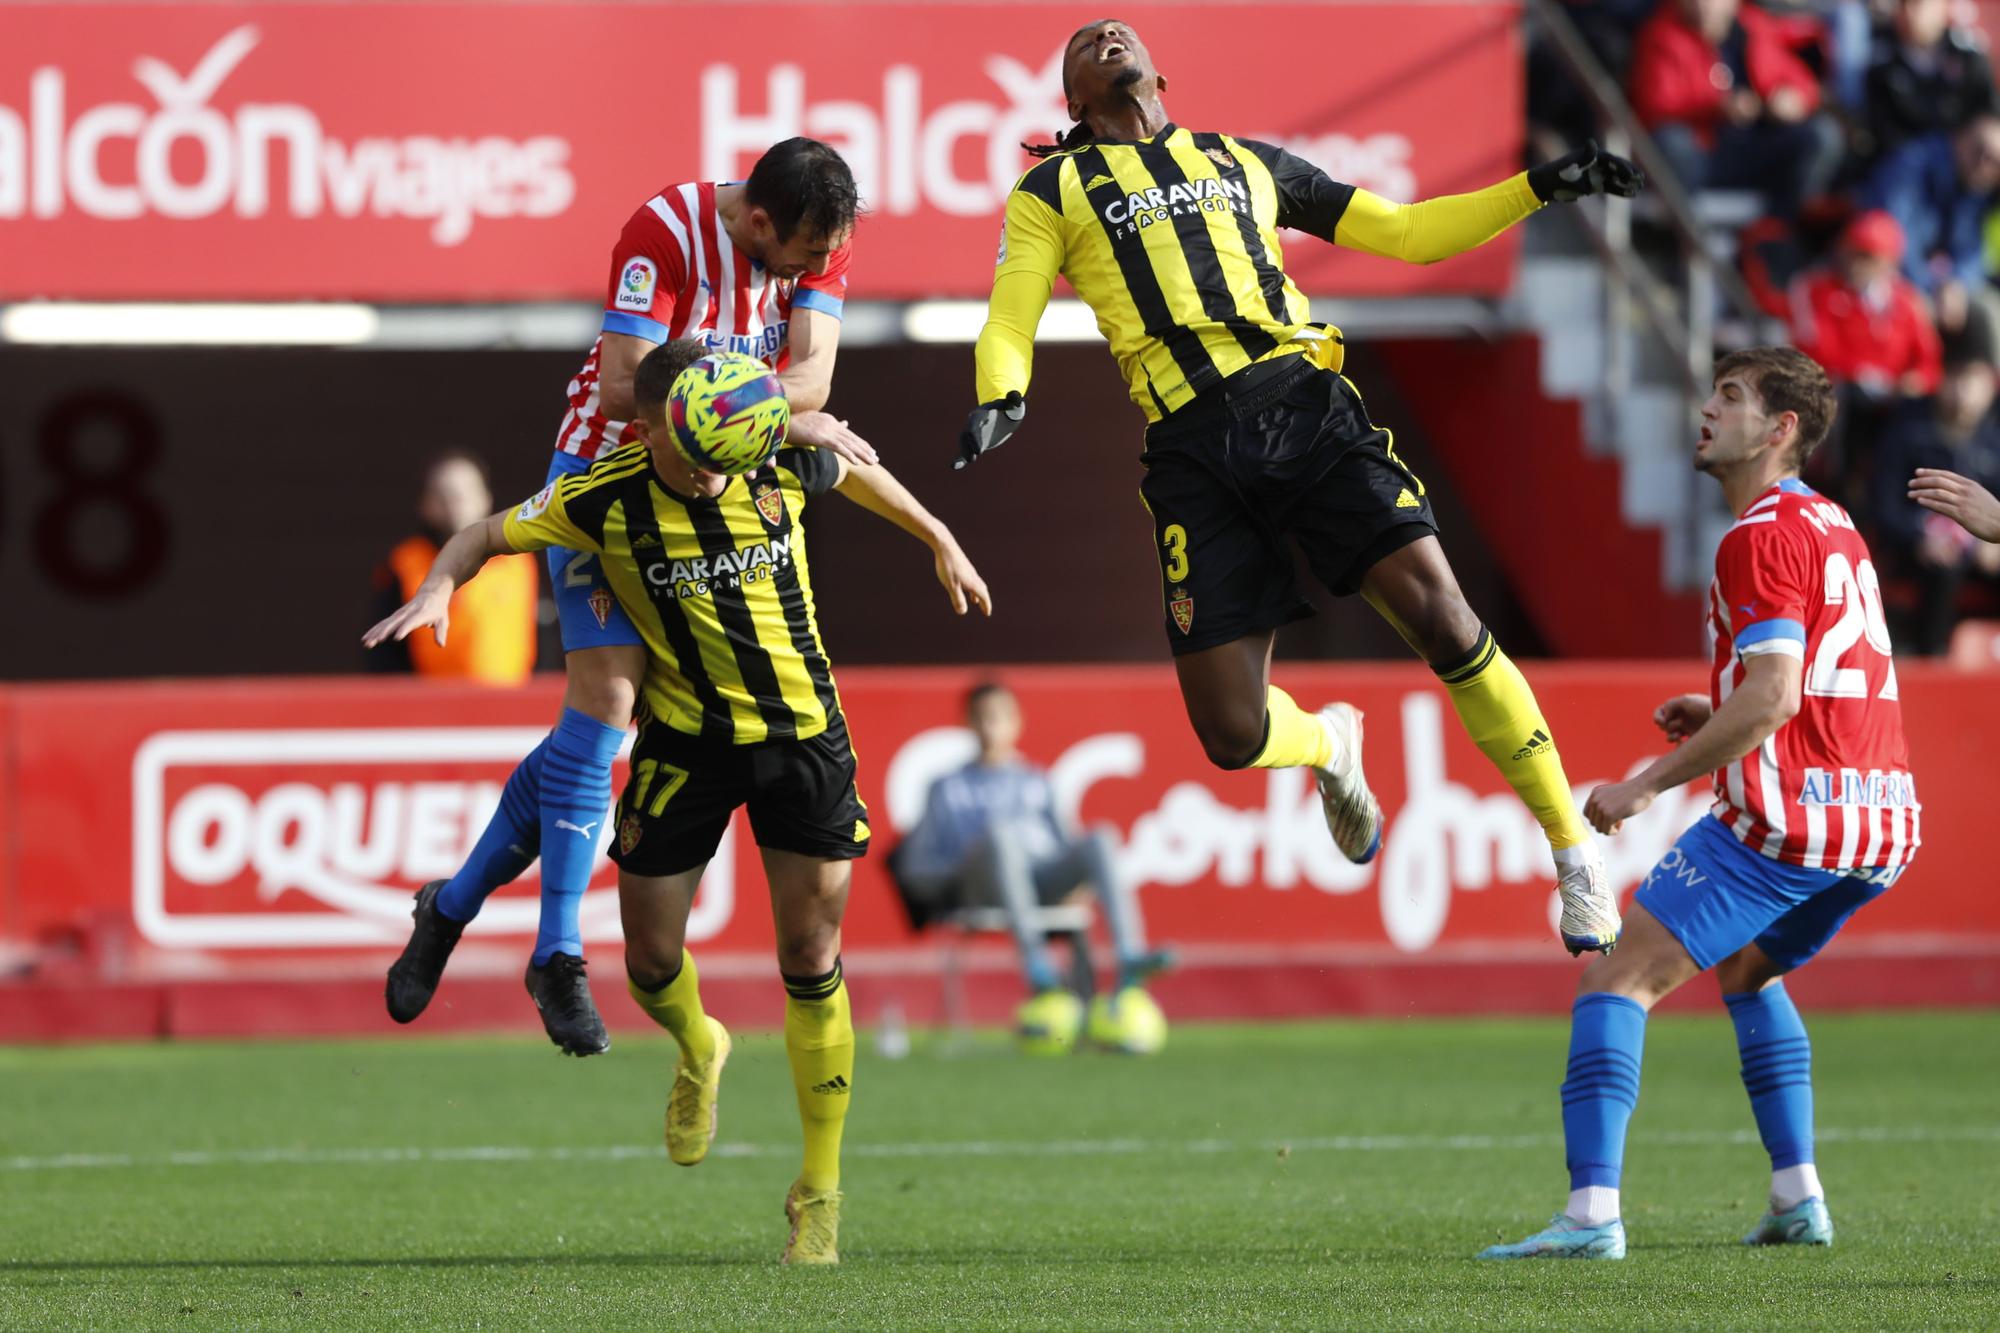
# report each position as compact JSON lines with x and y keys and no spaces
{"x":427,"y":151}
{"x":274,"y":829}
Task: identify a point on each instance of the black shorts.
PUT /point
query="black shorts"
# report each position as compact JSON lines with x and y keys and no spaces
{"x":1290,"y":456}
{"x":681,"y":793}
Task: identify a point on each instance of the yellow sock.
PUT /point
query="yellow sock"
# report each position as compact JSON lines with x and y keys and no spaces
{"x":1292,"y":736}
{"x":819,"y":1042}
{"x":676,"y":1007}
{"x":1500,"y":714}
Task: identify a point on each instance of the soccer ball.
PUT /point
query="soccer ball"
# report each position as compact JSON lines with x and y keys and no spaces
{"x":1128,"y":1021}
{"x":728,"y":413}
{"x":1049,"y":1024}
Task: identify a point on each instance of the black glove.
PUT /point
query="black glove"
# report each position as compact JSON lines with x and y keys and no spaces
{"x":989,"y":425}
{"x":1588,"y":170}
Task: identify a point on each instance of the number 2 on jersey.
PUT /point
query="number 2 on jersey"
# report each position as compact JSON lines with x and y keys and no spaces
{"x":1858,"y":593}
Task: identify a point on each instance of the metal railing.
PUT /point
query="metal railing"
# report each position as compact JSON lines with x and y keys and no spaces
{"x":1689,"y":332}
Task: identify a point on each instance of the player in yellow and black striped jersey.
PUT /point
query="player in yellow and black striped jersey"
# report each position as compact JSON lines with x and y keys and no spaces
{"x":738,"y":708}
{"x":1255,"y":441}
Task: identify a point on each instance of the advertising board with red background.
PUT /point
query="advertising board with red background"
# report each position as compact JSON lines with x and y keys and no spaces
{"x":431,"y":152}
{"x":274,"y":830}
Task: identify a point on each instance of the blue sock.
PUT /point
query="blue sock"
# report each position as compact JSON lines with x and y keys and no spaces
{"x":1777,"y":1072}
{"x":1607,"y":1036}
{"x":576,"y":792}
{"x":511,"y":840}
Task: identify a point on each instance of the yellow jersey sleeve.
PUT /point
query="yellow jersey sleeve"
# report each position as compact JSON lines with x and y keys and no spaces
{"x":1031,"y":255}
{"x":542,"y":520}
{"x":1423,"y":233}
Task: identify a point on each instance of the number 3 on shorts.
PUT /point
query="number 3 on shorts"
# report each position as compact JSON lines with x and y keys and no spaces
{"x":1174,"y":541}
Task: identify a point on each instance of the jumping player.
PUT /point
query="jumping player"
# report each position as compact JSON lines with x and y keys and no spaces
{"x":1815,"y":813}
{"x":739,"y":708}
{"x":757,"y":267}
{"x":1255,"y":440}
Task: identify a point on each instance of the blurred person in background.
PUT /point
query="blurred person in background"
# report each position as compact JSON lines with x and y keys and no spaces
{"x":1724,"y":92}
{"x":1939,"y":187}
{"x":1928,"y":77}
{"x":493,"y":619}
{"x":1955,"y":434}
{"x":991,"y":836}
{"x":1863,"y":321}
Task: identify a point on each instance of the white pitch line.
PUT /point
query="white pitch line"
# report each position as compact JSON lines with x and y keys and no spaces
{"x":1365,"y":1143}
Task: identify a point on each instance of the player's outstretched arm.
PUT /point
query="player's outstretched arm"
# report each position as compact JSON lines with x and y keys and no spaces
{"x":875,"y":490}
{"x":1960,"y":499}
{"x":1031,"y":256}
{"x":1766,"y":700}
{"x":461,"y":558}
{"x":1435,"y":229}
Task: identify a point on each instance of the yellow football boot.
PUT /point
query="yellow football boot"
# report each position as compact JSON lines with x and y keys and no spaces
{"x":815,"y":1219}
{"x":691,"y":1103}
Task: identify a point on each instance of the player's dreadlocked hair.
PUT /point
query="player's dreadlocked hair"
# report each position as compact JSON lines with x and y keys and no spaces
{"x":803,"y":182}
{"x":1078,"y":134}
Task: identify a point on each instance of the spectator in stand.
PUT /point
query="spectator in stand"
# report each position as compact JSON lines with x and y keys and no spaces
{"x":1957,"y":432}
{"x":1939,"y":187}
{"x":1863,"y":321}
{"x":1731,"y":103}
{"x":492,"y":638}
{"x":1928,"y":77}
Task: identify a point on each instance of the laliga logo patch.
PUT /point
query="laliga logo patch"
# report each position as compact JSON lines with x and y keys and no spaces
{"x":770,"y":503}
{"x":600,"y":606}
{"x":1182,"y":605}
{"x":628,"y":834}
{"x":635,"y":285}
{"x":532,"y":507}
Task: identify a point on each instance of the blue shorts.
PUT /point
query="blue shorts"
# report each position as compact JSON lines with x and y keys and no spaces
{"x":1716,"y":895}
{"x":590,"y":615}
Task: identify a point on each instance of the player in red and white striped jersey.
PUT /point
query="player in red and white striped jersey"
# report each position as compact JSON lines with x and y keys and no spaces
{"x":756,"y":266}
{"x":1816,"y":812}
{"x":1831,"y":789}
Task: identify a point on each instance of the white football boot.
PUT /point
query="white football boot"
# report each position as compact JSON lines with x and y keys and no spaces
{"x":1590,"y":919}
{"x":1353,"y":815}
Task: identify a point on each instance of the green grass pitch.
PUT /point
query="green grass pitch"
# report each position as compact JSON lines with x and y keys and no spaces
{"x":1312,"y":1175}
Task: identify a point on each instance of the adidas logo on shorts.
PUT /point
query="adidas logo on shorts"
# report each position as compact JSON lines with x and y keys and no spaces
{"x":1405,"y":500}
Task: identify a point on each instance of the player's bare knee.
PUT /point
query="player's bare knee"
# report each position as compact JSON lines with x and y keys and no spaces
{"x":651,"y":962}
{"x":1231,"y":741}
{"x":1447,"y":630}
{"x":809,"y":953}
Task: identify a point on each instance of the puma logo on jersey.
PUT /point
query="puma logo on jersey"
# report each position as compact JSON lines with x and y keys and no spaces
{"x":581,"y":830}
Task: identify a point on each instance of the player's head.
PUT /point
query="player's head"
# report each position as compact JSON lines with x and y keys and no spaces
{"x":1104,"y":64}
{"x":994,"y":715}
{"x":457,"y":492}
{"x":1771,"y":407}
{"x":800,"y":205}
{"x":652,"y":385}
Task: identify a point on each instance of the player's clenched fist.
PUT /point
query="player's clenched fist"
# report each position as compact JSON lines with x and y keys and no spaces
{"x":1682,"y":716}
{"x":1615,"y":802}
